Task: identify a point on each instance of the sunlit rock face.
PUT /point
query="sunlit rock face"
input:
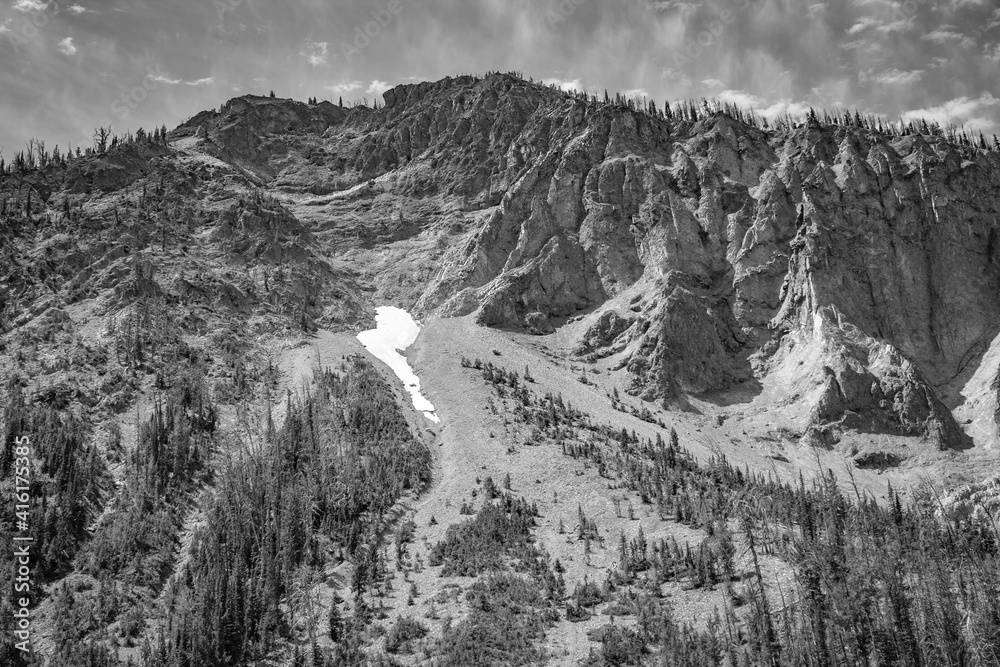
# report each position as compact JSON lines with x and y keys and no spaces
{"x":878,"y":251}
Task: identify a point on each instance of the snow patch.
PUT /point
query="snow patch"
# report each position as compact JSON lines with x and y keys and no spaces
{"x":395,"y":330}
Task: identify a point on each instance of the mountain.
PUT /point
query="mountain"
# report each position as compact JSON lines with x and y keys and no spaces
{"x":594,"y":276}
{"x":848,"y":275}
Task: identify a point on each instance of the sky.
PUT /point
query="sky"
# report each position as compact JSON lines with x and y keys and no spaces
{"x":67,"y":66}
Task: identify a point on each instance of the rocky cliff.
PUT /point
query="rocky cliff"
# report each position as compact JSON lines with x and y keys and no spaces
{"x":838,"y":272}
{"x":851,"y":272}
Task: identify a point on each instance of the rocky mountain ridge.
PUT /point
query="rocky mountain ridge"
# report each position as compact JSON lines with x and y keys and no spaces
{"x":843,"y":274}
{"x":803,"y":311}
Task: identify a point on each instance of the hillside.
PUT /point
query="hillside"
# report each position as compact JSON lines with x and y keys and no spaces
{"x":848,"y":257}
{"x":711,"y":387}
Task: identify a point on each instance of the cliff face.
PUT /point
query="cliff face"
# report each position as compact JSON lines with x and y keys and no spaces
{"x":844,"y":277}
{"x":861,"y":266}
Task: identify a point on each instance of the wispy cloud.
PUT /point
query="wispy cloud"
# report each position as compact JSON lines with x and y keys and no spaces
{"x":346,"y":87}
{"x":881,"y":56}
{"x":882,"y":26}
{"x":67,"y":47}
{"x":573,"y":84}
{"x":679,"y":6}
{"x":895,"y":77}
{"x":315,"y":53}
{"x":163,"y":78}
{"x":970,"y":112}
{"x":944,"y":35}
{"x":30,"y":6}
{"x":766,"y":108}
{"x":377,"y":87}
{"x":994,"y":21}
{"x":635,"y":92}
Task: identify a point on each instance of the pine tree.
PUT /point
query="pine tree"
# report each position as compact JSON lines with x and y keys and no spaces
{"x":335,"y":624}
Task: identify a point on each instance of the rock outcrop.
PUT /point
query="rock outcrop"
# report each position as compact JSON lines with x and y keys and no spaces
{"x":874,"y":254}
{"x":846,"y":274}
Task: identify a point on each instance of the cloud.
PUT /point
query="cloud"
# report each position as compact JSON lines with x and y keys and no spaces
{"x":895,"y":77}
{"x":163,"y":78}
{"x":80,"y":9}
{"x":66,"y":46}
{"x":970,"y":112}
{"x":768,"y":109}
{"x":874,"y":24}
{"x":864,"y":54}
{"x":863,"y":25}
{"x":994,"y":20}
{"x":160,"y":77}
{"x":635,"y":92}
{"x":682,"y":8}
{"x":871,"y":48}
{"x":346,"y":87}
{"x":677,"y":77}
{"x":378,"y":87}
{"x":316,"y":53}
{"x":740,"y":98}
{"x":564,"y":85}
{"x":944,"y":34}
{"x":30,"y":6}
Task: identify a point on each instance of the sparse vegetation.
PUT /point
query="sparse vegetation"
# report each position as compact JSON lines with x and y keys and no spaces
{"x":192,"y":504}
{"x":866,"y":575}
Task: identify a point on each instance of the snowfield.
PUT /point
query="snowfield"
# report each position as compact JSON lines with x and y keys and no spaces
{"x":395,"y":330}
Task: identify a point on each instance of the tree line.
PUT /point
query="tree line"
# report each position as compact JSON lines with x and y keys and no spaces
{"x":894,"y":583}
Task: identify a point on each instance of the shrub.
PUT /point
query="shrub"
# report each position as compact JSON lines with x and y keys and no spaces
{"x":402,"y":633}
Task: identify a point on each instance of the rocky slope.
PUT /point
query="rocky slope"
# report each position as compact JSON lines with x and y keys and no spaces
{"x":849,"y":276}
{"x":793,"y":299}
{"x":844,"y":277}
